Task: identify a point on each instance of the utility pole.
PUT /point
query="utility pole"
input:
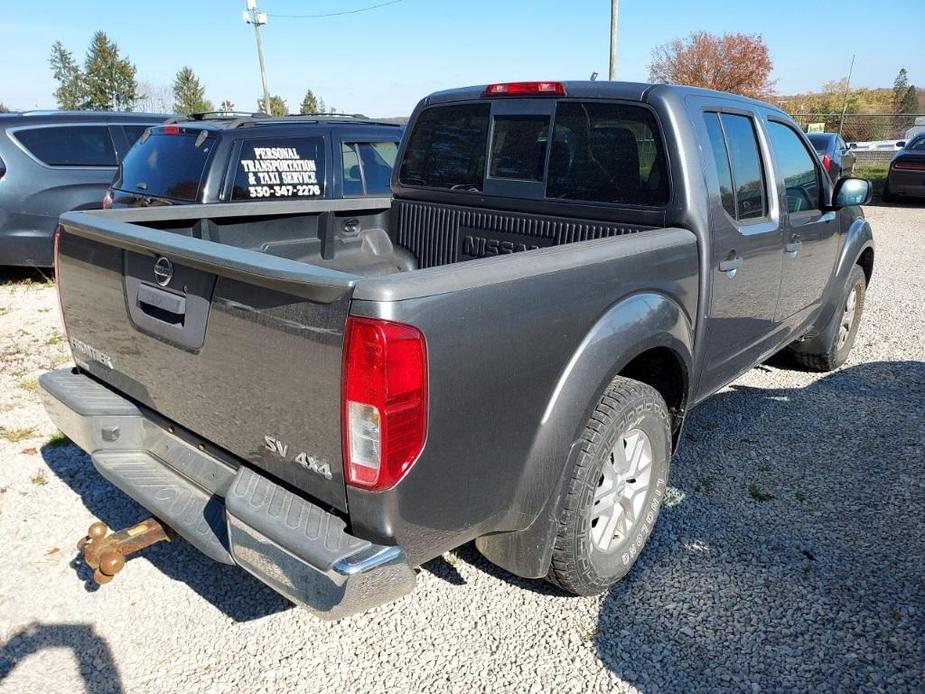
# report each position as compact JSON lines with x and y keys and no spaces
{"x":614,"y":14}
{"x":844,"y":107}
{"x":258,"y":19}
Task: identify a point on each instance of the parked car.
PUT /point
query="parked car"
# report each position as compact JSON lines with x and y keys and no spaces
{"x":505,"y":352}
{"x":251,"y":158}
{"x":906,"y":177}
{"x":52,"y":162}
{"x":836,"y":157}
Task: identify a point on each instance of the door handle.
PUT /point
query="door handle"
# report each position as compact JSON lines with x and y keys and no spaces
{"x":793,"y":247}
{"x":731,"y":264}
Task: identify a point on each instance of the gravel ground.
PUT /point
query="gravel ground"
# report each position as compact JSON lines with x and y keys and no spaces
{"x":791,"y":556}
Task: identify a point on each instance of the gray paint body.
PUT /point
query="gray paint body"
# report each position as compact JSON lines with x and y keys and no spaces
{"x":34,"y":194}
{"x":519,"y":347}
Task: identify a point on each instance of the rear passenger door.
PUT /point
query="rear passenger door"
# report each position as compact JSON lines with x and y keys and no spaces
{"x":747,"y":246}
{"x":810,"y":235}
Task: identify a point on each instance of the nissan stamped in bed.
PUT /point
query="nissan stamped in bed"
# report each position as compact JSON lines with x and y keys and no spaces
{"x":329,"y":393}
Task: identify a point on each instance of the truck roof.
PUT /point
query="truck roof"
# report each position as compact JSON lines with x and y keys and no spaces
{"x":629,"y":91}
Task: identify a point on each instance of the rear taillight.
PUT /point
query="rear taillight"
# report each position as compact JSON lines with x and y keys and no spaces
{"x":826,"y":162}
{"x":384,"y":401}
{"x":107,"y":200}
{"x":525,"y":89}
{"x":57,"y":254}
{"x":169,"y":130}
{"x":909,"y":165}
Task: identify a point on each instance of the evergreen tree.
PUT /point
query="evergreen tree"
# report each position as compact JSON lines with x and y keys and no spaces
{"x":69,"y":93}
{"x":227,"y":106}
{"x":108,"y":79}
{"x":905,"y":100}
{"x":309,"y":103}
{"x":277,"y":106}
{"x":188,"y":94}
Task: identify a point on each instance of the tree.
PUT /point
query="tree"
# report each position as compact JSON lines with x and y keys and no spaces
{"x":309,"y":103}
{"x":154,"y":98}
{"x":108,"y":79}
{"x":69,"y":93}
{"x":737,"y":63}
{"x":277,"y":106}
{"x":4,"y":108}
{"x":189,"y":96}
{"x":321,"y":107}
{"x":226,"y":107}
{"x":905,"y":100}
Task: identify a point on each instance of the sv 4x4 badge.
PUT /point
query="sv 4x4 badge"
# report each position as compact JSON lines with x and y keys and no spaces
{"x":302,"y":458}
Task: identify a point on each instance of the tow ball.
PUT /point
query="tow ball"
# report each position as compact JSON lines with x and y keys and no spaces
{"x":105,"y":553}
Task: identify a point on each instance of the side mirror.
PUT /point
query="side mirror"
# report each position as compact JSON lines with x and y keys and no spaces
{"x":850,"y":191}
{"x":901,"y":144}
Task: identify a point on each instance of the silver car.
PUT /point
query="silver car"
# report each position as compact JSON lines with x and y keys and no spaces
{"x":52,"y":162}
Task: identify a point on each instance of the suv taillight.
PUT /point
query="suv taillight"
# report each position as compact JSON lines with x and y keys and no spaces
{"x":826,"y":162}
{"x":384,"y":401}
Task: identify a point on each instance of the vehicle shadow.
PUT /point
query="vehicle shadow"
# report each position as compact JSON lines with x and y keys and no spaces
{"x":31,"y":275}
{"x":793,"y":558}
{"x":93,"y":655}
{"x":232,"y":590}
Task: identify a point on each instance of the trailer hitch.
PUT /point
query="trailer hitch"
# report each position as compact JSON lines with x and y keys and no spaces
{"x":106,"y":553}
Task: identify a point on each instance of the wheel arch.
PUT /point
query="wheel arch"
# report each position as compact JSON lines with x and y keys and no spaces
{"x":646,"y":336}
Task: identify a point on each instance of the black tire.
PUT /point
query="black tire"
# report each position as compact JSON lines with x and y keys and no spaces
{"x":838,"y":349}
{"x":579,"y":565}
{"x":886,"y":195}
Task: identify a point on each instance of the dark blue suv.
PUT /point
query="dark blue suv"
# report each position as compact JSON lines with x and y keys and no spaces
{"x":211,"y":158}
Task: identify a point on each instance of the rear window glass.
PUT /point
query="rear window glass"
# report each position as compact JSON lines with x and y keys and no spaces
{"x":78,"y":145}
{"x":274,"y":168}
{"x":368,"y":167}
{"x":518,"y":147}
{"x":167,"y":166}
{"x":820,"y":142}
{"x":133,"y":132}
{"x":447,"y":148}
{"x":607,"y":153}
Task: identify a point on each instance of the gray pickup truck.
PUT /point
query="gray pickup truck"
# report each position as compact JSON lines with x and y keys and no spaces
{"x":331,"y":393}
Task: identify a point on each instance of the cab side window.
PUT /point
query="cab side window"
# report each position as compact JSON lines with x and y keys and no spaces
{"x":734,"y":146}
{"x":801,"y":179}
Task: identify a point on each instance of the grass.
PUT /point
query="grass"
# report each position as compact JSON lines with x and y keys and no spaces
{"x":673,"y":497}
{"x":57,"y":439}
{"x":29,"y":384}
{"x":876,"y":175}
{"x":55,"y":338}
{"x":758,"y":494}
{"x":39,"y":478}
{"x":16,"y":435}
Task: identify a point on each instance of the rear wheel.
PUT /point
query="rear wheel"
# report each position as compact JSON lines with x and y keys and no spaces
{"x":615,"y":489}
{"x":849,"y":318}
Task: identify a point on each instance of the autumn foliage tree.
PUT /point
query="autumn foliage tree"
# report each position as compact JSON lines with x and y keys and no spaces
{"x":737,"y":63}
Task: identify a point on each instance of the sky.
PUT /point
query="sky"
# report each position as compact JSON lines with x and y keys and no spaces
{"x":381,"y":62}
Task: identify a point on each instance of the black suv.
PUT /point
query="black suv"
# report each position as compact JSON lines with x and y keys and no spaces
{"x":211,"y":158}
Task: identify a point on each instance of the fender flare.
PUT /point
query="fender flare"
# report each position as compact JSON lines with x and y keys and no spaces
{"x":632,"y":326}
{"x":858,"y":239}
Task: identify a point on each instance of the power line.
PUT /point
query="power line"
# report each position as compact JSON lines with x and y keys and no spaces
{"x":335,"y":14}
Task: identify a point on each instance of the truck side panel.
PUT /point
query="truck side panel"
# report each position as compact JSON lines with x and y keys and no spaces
{"x":501,"y":333}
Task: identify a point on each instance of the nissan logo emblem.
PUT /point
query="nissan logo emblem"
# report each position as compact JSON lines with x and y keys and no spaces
{"x":163,"y":271}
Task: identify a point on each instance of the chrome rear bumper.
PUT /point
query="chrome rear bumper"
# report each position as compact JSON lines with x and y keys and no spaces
{"x":235,"y":516}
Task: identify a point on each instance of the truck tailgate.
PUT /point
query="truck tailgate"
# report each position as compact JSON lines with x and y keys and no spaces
{"x":239,"y":348}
